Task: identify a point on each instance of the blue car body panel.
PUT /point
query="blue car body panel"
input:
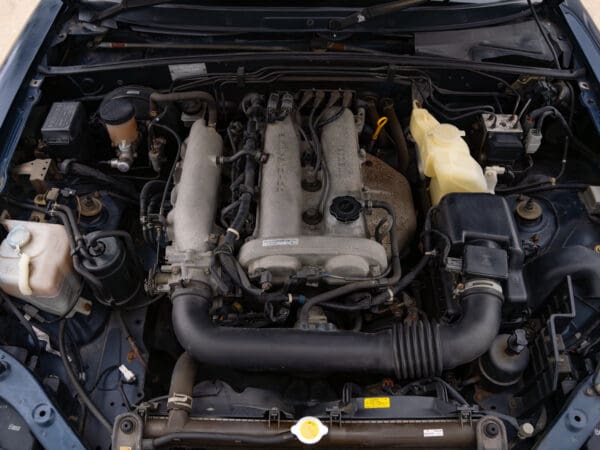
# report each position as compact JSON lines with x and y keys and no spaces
{"x":20,"y":90}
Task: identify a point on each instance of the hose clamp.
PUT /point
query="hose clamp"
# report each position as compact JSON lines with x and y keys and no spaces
{"x":234,"y":232}
{"x":179,"y":401}
{"x":483,"y":283}
{"x":390,"y":292}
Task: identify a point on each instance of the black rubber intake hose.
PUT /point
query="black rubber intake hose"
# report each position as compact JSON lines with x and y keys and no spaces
{"x":407,"y":351}
{"x":471,"y":336}
{"x":545,"y":273}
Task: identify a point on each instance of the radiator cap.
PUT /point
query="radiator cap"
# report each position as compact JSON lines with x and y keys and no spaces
{"x":309,"y":430}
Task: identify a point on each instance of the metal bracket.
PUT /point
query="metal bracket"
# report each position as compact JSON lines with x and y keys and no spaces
{"x":20,"y":389}
{"x":274,"y":417}
{"x":465,"y":415}
{"x":127,"y":432}
{"x":335,"y":416}
{"x":491,"y":434}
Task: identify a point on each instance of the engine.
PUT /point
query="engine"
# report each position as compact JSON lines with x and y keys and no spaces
{"x":306,"y":226}
{"x":293,"y":255}
{"x":314,"y":225}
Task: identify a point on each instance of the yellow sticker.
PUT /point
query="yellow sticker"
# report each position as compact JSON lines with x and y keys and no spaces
{"x":377,"y":403}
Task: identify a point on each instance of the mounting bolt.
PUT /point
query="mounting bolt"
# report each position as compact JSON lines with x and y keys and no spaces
{"x":491,"y":430}
{"x":127,"y":426}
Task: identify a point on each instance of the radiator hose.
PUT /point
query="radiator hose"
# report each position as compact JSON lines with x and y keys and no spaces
{"x":418,"y":350}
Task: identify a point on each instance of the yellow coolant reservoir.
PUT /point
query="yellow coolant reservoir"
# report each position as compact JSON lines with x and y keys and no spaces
{"x":445,"y":156}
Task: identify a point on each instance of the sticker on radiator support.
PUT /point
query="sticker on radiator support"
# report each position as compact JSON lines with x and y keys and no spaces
{"x":434,"y":432}
{"x":280,"y":242}
{"x":182,"y":71}
{"x":376,"y":403}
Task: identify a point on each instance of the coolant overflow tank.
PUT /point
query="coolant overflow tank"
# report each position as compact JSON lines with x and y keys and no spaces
{"x":445,"y":156}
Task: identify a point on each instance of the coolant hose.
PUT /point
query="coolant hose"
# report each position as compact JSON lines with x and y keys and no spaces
{"x":397,"y":133}
{"x":351,"y":288}
{"x":179,"y":403}
{"x":76,"y":168}
{"x":149,"y":188}
{"x":157,"y":98}
{"x":417,"y":350}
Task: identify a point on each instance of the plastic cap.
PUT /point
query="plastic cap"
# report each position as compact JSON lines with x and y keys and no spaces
{"x":517,"y":341}
{"x":309,"y":430}
{"x":445,"y":134}
{"x":117,"y":111}
{"x":526,"y":430}
{"x":345,"y":209}
{"x":18,"y":237}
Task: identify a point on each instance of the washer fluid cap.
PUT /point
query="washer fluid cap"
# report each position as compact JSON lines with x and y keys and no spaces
{"x":18,"y":237}
{"x":309,"y":430}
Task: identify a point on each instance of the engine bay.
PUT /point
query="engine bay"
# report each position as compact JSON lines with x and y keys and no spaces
{"x":388,"y":256}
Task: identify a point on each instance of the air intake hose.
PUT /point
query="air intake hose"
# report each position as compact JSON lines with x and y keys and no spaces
{"x":544,"y":274}
{"x":422,"y":349}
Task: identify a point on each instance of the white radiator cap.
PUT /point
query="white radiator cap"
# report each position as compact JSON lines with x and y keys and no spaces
{"x":309,"y":430}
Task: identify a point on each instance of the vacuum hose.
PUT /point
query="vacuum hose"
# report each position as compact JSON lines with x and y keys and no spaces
{"x":417,"y":350}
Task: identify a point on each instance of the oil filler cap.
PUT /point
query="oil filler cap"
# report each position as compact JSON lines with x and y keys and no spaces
{"x":309,"y":430}
{"x":345,"y":209}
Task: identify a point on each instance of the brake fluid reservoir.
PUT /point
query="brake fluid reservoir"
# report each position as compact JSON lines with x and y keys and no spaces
{"x":445,"y":156}
{"x":36,"y":266}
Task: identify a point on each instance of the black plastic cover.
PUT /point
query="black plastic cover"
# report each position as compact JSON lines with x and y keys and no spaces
{"x":504,"y":148}
{"x":65,"y":131}
{"x":483,"y":220}
{"x":486,"y":262}
{"x":63,"y":123}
